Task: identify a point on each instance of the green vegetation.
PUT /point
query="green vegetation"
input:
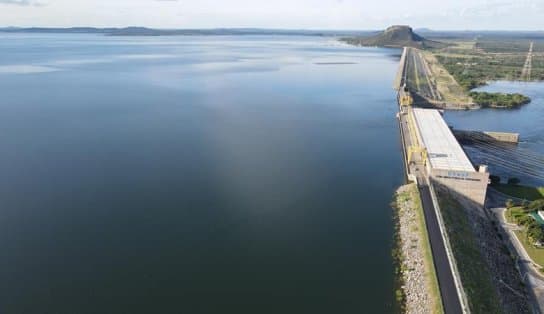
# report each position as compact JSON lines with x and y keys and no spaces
{"x":515,"y":214}
{"x":474,"y":271}
{"x":508,"y":45}
{"x":536,"y":253}
{"x":532,"y":235}
{"x":474,"y":63}
{"x":473,"y":69}
{"x":499,"y":100}
{"x":522,"y":216}
{"x":537,"y":205}
{"x":520,"y":191}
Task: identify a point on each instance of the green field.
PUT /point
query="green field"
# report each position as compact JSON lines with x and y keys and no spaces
{"x":513,"y":215}
{"x":474,"y":271}
{"x":537,"y":254}
{"x":472,"y":69}
{"x":520,"y":191}
{"x":508,"y":45}
{"x":474,"y":63}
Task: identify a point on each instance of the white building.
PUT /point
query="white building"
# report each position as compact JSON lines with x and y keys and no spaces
{"x":446,"y":161}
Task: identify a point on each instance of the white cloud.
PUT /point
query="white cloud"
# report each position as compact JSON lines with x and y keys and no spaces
{"x":20,"y":2}
{"x":316,"y":14}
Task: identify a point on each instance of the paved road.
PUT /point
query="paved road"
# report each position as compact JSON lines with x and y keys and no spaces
{"x":448,"y":291}
{"x":417,"y":77}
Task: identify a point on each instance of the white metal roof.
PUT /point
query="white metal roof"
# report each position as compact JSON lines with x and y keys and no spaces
{"x":443,"y":150}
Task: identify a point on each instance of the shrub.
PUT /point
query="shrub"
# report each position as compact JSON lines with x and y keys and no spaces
{"x":536,"y":205}
{"x":509,"y":203}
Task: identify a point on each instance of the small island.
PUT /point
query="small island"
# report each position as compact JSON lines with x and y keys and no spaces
{"x":499,"y":100}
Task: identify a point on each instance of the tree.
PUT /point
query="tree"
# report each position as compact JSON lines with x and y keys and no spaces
{"x":535,"y":232}
{"x":537,"y":205}
{"x":525,"y":220}
{"x":495,"y":179}
{"x":509,"y":203}
{"x":514,"y":181}
{"x":498,"y":99}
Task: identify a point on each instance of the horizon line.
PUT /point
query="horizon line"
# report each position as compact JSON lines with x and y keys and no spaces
{"x":271,"y":28}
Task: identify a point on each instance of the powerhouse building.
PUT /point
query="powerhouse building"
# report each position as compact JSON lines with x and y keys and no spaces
{"x":446,"y":161}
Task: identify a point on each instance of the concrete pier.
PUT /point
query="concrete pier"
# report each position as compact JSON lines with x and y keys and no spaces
{"x":505,"y":137}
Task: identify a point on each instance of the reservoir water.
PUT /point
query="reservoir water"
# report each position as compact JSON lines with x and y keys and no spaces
{"x":196,"y":175}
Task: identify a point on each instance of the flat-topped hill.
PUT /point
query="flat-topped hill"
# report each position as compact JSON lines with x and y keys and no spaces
{"x":395,"y":36}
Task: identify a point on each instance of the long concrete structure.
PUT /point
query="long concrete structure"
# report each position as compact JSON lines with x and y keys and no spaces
{"x":434,"y":158}
{"x":451,"y":289}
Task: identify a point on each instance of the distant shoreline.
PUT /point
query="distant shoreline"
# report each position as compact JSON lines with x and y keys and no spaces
{"x":144,"y":31}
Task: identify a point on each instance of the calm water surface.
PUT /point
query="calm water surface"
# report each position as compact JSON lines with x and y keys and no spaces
{"x":196,"y":175}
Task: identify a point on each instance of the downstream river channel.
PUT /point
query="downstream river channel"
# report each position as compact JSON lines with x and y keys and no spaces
{"x":196,"y":175}
{"x":524,"y":161}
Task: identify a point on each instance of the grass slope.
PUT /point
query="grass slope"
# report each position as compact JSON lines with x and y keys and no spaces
{"x":474,"y":272}
{"x":537,"y":254}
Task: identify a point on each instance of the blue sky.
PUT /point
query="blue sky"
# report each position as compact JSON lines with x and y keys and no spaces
{"x":307,"y":14}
